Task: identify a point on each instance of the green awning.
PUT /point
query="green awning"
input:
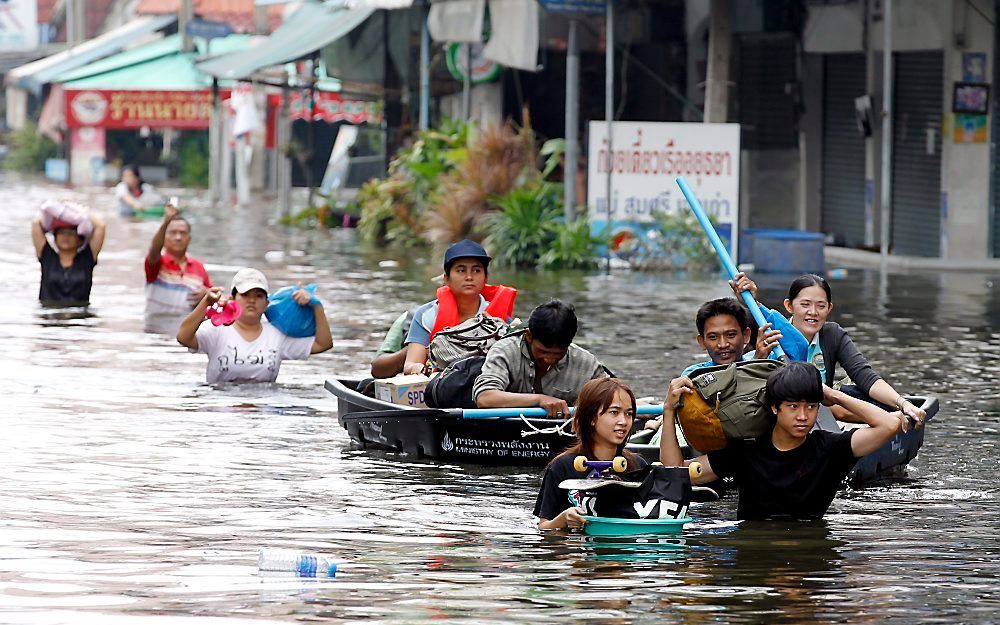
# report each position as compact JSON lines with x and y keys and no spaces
{"x":159,"y":65}
{"x":309,"y":29}
{"x":34,"y":76}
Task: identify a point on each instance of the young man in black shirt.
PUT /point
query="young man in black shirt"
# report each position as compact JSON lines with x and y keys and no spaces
{"x":792,"y":472}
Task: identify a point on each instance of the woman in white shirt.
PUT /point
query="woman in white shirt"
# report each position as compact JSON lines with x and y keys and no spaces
{"x":249,"y":350}
{"x":135,"y":194}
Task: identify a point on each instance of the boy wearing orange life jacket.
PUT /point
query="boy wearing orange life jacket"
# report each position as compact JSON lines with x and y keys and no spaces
{"x":464,"y":295}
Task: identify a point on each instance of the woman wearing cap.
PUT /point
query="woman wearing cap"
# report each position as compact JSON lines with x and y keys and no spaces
{"x":248,"y":350}
{"x":464,"y":295}
{"x":68,"y":261}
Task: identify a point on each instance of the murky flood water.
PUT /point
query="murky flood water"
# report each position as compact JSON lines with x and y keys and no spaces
{"x":132,"y":491}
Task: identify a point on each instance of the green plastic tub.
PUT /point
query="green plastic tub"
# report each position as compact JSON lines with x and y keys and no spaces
{"x":607,"y":526}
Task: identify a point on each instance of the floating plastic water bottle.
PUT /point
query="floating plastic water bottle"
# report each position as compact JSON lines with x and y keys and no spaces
{"x":303,"y":564}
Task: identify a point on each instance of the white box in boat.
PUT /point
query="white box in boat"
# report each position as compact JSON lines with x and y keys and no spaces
{"x":405,"y":390}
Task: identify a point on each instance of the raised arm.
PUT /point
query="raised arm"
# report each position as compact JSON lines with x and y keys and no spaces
{"x":186,"y":333}
{"x":38,"y":236}
{"x":324,"y":338}
{"x":670,"y":449}
{"x":156,"y":245}
{"x":883,"y":426}
{"x":97,"y":236}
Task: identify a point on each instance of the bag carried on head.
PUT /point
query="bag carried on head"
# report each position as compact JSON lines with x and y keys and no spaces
{"x":452,"y":388}
{"x":729,"y":404}
{"x":665,"y":493}
{"x":473,"y":337}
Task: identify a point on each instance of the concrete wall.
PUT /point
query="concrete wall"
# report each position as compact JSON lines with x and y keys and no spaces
{"x":948,"y":25}
{"x":965,"y":176}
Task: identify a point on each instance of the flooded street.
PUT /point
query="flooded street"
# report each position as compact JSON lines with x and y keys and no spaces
{"x":133,"y":492}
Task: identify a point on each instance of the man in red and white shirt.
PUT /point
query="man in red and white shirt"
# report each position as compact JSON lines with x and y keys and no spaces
{"x":175,"y":282}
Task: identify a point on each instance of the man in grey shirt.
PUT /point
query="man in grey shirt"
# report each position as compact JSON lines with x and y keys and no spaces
{"x":541,"y":367}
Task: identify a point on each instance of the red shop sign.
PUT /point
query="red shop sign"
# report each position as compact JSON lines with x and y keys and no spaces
{"x":330,"y":108}
{"x":135,"y":109}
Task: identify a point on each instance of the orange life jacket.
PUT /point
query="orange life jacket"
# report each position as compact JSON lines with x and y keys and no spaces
{"x":501,"y":305}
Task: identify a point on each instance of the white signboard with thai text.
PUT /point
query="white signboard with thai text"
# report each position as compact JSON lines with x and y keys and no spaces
{"x":18,"y":25}
{"x":648,"y":157}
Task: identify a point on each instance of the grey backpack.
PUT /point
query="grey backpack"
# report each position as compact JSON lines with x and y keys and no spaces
{"x":473,"y":337}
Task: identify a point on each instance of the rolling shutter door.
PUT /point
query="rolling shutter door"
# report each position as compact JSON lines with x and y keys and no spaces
{"x":995,"y":165}
{"x":843,"y":170}
{"x":916,"y":158}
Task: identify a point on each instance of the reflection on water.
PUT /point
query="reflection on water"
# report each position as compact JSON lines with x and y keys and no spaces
{"x":131,"y":489}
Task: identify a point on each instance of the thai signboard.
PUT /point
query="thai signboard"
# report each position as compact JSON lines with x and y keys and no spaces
{"x":135,"y":109}
{"x":331,"y":107}
{"x":18,"y":25}
{"x":646,"y":159}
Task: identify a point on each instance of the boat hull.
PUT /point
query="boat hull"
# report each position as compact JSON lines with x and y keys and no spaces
{"x":444,"y":435}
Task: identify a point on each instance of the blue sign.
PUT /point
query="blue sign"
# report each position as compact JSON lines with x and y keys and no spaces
{"x":593,"y":7}
{"x":208,"y":29}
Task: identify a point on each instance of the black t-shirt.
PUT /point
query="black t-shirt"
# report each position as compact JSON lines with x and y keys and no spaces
{"x":552,"y":500}
{"x":800,"y":483}
{"x":66,"y":284}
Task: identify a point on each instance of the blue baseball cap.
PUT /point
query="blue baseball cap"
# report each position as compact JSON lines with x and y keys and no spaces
{"x":465,"y":249}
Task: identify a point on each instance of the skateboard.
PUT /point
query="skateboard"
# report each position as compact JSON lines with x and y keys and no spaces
{"x":601,"y":474}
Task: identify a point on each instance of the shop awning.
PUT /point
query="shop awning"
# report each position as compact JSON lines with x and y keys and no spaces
{"x":160,"y":65}
{"x":37,"y":74}
{"x":309,"y":29}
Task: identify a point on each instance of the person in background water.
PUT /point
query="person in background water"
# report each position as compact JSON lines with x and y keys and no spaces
{"x":174,"y":281}
{"x":248,"y":350}
{"x":464,"y":295}
{"x":810,"y":302}
{"x":602,"y":422}
{"x":68,"y":261}
{"x":134,"y":193}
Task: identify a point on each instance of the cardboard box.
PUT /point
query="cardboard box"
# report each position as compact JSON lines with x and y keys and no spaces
{"x":405,"y":390}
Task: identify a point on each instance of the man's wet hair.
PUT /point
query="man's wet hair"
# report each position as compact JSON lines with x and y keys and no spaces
{"x":180,"y":218}
{"x":721,"y":306}
{"x":553,"y":323}
{"x":796,"y":381}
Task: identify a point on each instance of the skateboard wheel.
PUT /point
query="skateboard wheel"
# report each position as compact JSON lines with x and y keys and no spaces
{"x":656,"y":464}
{"x":619,"y":464}
{"x":580,"y":463}
{"x":694,"y":469}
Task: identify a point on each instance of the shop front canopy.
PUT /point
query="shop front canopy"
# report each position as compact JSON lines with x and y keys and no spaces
{"x":160,"y":65}
{"x":312,"y":27}
{"x":34,"y":76}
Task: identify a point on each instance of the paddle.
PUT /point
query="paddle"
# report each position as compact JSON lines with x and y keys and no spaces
{"x":494,"y":413}
{"x":723,"y":254}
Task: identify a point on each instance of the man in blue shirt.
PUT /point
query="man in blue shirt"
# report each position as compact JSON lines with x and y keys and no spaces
{"x":724,"y":331}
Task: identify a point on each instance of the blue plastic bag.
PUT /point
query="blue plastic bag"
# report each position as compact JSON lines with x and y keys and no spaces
{"x":291,"y":318}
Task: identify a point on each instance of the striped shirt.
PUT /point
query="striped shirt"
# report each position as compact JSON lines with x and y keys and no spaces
{"x":168,"y":287}
{"x":509,"y":367}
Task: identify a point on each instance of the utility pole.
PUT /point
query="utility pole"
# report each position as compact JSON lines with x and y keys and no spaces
{"x":717,"y":75}
{"x":572,"y":122}
{"x":76,"y":28}
{"x":184,"y":17}
{"x":886,"y":131}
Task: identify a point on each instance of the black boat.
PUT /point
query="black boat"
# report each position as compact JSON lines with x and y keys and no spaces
{"x":445,"y":435}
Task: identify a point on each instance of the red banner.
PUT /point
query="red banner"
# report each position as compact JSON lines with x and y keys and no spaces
{"x":135,"y":109}
{"x":330,"y":107}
